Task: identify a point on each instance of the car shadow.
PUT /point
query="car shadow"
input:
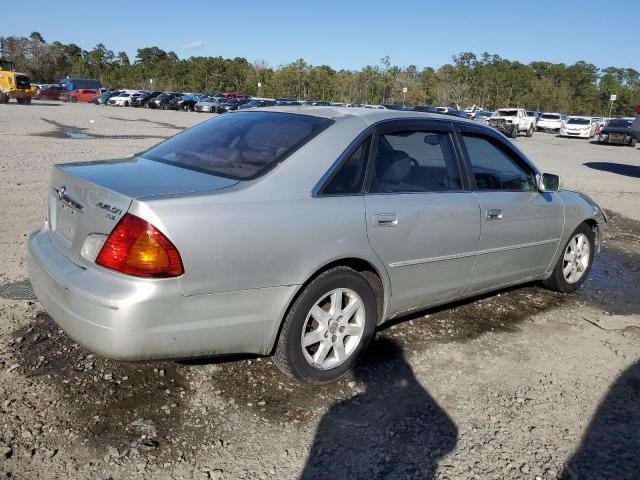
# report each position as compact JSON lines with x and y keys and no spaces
{"x":392,"y":428}
{"x":611,"y":443}
{"x":617,"y":168}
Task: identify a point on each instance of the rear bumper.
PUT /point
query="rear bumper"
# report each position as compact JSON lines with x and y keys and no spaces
{"x":126,"y":318}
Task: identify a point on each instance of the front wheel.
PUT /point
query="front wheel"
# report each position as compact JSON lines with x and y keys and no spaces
{"x":633,"y":142}
{"x":328,"y":328}
{"x":530,"y":131}
{"x":575,"y":261}
{"x":514,"y":132}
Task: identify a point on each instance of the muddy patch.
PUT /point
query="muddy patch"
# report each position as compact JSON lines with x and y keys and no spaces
{"x":81,"y":133}
{"x":127,"y":406}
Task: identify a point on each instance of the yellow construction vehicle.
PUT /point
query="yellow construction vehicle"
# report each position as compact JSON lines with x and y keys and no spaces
{"x":14,"y":84}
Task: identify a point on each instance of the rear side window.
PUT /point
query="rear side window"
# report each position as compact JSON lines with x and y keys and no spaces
{"x":350,"y":176}
{"x":240,"y":145}
{"x":495,"y":167}
{"x":414,"y":161}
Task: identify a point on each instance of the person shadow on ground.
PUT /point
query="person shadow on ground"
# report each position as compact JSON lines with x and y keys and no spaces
{"x":393,"y":429}
{"x":610,"y":447}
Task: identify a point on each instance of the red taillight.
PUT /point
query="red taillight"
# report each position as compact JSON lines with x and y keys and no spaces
{"x":136,"y":247}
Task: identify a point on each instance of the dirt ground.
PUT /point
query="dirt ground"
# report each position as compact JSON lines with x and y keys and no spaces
{"x":522,"y":384}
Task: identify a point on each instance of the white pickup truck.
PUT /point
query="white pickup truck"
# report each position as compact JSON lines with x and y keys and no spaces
{"x":512,"y":121}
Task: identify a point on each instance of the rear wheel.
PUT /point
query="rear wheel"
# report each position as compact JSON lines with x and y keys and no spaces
{"x":126,"y":104}
{"x":73,"y":99}
{"x":575,"y":261}
{"x":328,"y":328}
{"x":633,"y":142}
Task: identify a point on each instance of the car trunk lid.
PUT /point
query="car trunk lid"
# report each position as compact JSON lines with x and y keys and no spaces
{"x":91,"y":197}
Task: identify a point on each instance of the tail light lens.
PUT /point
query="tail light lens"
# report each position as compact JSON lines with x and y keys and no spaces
{"x":136,"y":247}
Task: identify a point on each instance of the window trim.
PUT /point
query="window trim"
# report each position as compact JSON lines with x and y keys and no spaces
{"x":513,"y":152}
{"x":419,"y":125}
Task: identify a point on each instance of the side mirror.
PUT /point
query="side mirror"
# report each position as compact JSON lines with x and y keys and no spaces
{"x":547,"y":182}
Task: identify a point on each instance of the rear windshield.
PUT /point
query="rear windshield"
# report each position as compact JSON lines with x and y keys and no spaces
{"x":508,"y":113}
{"x":550,"y":117}
{"x":620,"y":123}
{"x":240,"y":145}
{"x":579,"y":121}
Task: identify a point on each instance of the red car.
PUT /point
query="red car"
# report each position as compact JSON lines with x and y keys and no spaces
{"x":80,"y":95}
{"x":51,"y":92}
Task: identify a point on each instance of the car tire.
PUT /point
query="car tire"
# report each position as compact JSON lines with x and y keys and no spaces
{"x":319,"y":361}
{"x":561,"y":279}
{"x":73,"y":99}
{"x":4,"y":98}
{"x":514,"y":132}
{"x":530,"y":131}
{"x":126,"y":104}
{"x":633,"y":142}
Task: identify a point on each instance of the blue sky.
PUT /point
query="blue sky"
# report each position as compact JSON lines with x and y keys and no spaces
{"x":345,"y":34}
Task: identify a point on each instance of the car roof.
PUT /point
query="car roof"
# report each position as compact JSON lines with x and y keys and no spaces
{"x":369,"y":115}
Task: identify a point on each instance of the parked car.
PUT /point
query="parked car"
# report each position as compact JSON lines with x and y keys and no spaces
{"x":72,"y":84}
{"x":482,"y":117}
{"x":185,"y":102}
{"x":208,"y":104}
{"x":50,"y":92}
{"x":512,"y":121}
{"x":582,"y":127}
{"x":258,"y":103}
{"x":229,"y":105}
{"x":618,"y":131}
{"x":535,"y":116}
{"x":104,"y":98}
{"x":635,"y":128}
{"x":226,"y":95}
{"x":281,"y":102}
{"x":600,"y":122}
{"x":123,"y":99}
{"x":550,"y":122}
{"x":162,"y":100}
{"x":142,"y":99}
{"x":81,"y":95}
{"x":128,"y":269}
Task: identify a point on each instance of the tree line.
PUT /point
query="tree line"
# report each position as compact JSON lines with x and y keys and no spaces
{"x":486,"y":80}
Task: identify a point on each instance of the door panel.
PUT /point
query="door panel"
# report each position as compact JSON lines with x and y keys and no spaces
{"x":521,"y":243}
{"x":427,"y":241}
{"x":520,"y":226}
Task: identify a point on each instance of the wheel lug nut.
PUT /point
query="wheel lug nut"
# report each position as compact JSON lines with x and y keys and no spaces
{"x":333,"y":338}
{"x":341,"y":329}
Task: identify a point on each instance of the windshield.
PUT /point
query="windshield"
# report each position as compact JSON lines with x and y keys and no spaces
{"x":239,"y":145}
{"x":507,"y":113}
{"x":620,"y":123}
{"x":550,"y":117}
{"x":578,"y":121}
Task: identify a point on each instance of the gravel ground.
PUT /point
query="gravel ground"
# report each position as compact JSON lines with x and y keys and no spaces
{"x":523,"y":384}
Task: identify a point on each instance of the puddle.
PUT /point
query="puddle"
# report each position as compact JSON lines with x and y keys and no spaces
{"x":81,"y":133}
{"x":146,"y":120}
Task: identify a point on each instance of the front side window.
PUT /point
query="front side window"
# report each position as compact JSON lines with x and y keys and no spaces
{"x":414,"y":161}
{"x":495,"y":167}
{"x":241,"y":145}
{"x":350,"y":176}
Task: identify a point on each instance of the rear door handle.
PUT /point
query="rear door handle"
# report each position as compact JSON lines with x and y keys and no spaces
{"x":385,"y":219}
{"x":494,"y":214}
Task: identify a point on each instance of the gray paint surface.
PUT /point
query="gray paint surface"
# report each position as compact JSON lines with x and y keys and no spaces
{"x":248,"y":247}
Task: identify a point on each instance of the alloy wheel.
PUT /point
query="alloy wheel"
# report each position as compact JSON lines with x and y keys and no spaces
{"x":576,"y":258}
{"x":333,"y":328}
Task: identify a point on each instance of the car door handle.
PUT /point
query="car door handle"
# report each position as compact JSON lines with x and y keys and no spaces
{"x":385,"y":219}
{"x":494,"y":214}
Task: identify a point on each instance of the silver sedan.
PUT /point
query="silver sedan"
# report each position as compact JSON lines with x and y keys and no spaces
{"x":296,"y":232}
